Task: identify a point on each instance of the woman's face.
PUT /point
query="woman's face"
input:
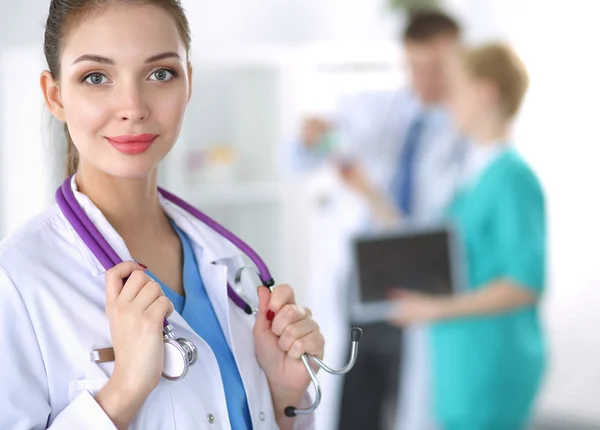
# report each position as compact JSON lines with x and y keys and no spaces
{"x":124,"y":86}
{"x":467,"y":98}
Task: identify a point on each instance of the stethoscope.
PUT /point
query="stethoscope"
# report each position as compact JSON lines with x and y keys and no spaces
{"x":181,"y":353}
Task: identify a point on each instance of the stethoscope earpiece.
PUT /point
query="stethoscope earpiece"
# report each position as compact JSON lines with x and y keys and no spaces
{"x":355,"y":335}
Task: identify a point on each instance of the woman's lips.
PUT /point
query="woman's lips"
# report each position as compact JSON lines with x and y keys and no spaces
{"x":132,"y":144}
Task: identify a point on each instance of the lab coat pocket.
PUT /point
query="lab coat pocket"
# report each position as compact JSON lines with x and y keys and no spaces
{"x":76,"y":387}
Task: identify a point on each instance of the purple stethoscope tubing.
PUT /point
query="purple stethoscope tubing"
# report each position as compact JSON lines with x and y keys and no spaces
{"x":107,"y":256}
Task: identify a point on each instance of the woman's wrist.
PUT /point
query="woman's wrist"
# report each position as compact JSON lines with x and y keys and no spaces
{"x":383,"y":209}
{"x":282,"y":398}
{"x":119,"y":402}
{"x":446,"y":308}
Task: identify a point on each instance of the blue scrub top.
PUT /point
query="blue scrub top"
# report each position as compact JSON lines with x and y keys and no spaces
{"x":487,"y":369}
{"x":196,"y":309}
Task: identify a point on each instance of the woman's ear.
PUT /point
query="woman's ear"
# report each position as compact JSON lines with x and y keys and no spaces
{"x":490,"y":93}
{"x":51,"y":93}
{"x":190,"y":80}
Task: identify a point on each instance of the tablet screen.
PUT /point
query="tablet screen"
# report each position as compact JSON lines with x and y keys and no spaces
{"x":418,"y":261}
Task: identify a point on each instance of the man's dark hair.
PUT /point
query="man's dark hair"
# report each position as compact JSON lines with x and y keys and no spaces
{"x":425,"y":25}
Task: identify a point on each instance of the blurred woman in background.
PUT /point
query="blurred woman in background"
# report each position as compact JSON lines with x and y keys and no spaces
{"x":488,"y":350}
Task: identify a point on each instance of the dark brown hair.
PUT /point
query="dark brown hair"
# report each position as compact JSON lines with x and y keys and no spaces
{"x":64,"y":15}
{"x":424,"y":25}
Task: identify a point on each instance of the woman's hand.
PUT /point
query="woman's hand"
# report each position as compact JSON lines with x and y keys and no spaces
{"x":355,"y":177}
{"x":313,"y":131}
{"x":415,"y":308}
{"x":136,"y":309}
{"x":383,"y":210}
{"x":283,"y":332}
{"x":495,"y":298}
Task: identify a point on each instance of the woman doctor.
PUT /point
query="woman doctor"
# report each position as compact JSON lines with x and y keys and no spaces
{"x":120,"y":79}
{"x":488,"y":351}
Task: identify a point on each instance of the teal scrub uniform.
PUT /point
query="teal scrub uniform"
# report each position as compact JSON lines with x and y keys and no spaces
{"x":487,"y":369}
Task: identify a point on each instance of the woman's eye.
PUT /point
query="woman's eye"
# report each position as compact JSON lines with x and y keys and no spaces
{"x":162,"y":75}
{"x":96,"y":79}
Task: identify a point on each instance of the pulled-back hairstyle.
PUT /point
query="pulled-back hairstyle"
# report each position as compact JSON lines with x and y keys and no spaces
{"x":498,"y":63}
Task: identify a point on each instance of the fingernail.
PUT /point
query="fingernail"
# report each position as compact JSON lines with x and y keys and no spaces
{"x":144,"y":266}
{"x":270,"y":315}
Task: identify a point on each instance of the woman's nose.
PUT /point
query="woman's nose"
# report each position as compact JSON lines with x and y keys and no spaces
{"x":132,"y":105}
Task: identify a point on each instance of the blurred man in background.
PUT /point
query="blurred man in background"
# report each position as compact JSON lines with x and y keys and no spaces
{"x":402,"y":156}
{"x":399,"y":141}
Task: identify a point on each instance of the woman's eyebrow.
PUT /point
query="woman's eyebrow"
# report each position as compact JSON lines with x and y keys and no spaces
{"x":103,"y":60}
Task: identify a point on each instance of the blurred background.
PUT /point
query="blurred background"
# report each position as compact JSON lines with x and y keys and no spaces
{"x":263,"y":65}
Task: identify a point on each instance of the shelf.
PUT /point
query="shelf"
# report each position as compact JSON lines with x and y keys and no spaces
{"x":237,"y":194}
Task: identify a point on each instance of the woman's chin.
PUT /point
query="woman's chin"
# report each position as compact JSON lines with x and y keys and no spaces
{"x":130,"y":170}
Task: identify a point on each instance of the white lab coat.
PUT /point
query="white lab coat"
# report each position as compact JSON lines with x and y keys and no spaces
{"x":52,"y":316}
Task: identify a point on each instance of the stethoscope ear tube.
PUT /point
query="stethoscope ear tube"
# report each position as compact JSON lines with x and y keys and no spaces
{"x":355,"y":336}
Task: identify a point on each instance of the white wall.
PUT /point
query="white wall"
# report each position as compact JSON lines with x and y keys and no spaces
{"x":27,"y":158}
{"x":235,"y":23}
{"x":560,"y":135}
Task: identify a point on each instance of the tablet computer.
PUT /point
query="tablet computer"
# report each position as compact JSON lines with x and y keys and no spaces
{"x":426,"y":259}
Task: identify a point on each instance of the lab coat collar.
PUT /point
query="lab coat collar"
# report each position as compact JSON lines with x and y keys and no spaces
{"x":215,"y":248}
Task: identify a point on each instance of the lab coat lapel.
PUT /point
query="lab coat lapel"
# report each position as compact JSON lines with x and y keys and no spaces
{"x":215,"y":281}
{"x":218,"y":260}
{"x":210,"y":250}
